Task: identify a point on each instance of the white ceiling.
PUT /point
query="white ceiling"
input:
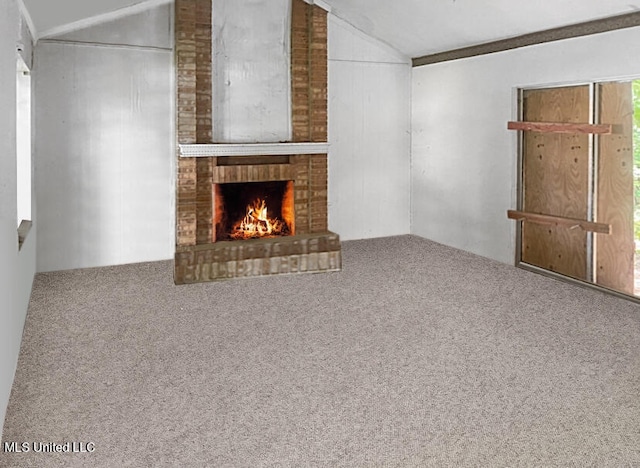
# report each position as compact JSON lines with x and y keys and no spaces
{"x":414,"y":27}
{"x":421,"y":27}
{"x":47,"y":15}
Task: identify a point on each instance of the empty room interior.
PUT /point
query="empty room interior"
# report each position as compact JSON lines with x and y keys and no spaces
{"x":319,"y":233}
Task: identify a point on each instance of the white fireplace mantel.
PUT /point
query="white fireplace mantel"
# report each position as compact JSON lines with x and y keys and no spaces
{"x":251,"y":149}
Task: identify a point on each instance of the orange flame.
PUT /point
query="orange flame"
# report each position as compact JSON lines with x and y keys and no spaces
{"x":256,"y":223}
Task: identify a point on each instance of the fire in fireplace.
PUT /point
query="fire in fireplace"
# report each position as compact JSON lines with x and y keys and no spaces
{"x":257,"y":223}
{"x":251,"y":210}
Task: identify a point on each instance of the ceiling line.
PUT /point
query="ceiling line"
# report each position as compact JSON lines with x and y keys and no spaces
{"x":27,"y":18}
{"x":103,"y":18}
{"x":109,"y":45}
{"x":628,"y":20}
{"x":322,"y":4}
{"x":368,"y":37}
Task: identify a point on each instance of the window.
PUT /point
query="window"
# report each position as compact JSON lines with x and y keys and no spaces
{"x":23,"y":147}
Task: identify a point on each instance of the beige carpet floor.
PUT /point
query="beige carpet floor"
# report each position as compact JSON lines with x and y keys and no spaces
{"x":415,"y":354}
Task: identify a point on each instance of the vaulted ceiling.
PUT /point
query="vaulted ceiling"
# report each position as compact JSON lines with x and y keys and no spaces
{"x":419,"y":27}
{"x":414,"y":27}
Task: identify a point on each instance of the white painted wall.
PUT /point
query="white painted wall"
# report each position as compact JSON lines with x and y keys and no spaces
{"x":145,"y":28}
{"x":369,"y":134}
{"x":251,"y":71}
{"x":464,"y":160}
{"x":17,"y":268}
{"x":105,"y":144}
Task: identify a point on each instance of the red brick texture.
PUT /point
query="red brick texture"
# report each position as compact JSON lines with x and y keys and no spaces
{"x":258,"y":257}
{"x":308,"y":72}
{"x":203,"y":72}
{"x":193,"y":119}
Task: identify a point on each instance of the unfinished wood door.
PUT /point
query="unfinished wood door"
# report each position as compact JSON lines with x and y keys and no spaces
{"x":556,"y":180}
{"x":614,"y":253}
{"x":576,"y":175}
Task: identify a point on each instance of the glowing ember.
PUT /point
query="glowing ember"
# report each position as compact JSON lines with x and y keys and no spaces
{"x":256,"y":223}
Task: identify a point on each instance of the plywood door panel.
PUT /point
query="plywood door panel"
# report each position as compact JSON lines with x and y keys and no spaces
{"x":556,"y":180}
{"x":615,"y":252}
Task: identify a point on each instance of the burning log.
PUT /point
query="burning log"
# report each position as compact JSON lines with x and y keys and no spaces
{"x":256,"y":223}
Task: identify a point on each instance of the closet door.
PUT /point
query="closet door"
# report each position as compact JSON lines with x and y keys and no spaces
{"x":556,"y":180}
{"x":614,"y":253}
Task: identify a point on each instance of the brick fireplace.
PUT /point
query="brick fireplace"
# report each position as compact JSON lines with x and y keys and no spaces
{"x":218,"y":183}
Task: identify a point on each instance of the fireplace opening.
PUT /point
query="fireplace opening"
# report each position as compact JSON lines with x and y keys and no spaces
{"x":251,"y":210}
